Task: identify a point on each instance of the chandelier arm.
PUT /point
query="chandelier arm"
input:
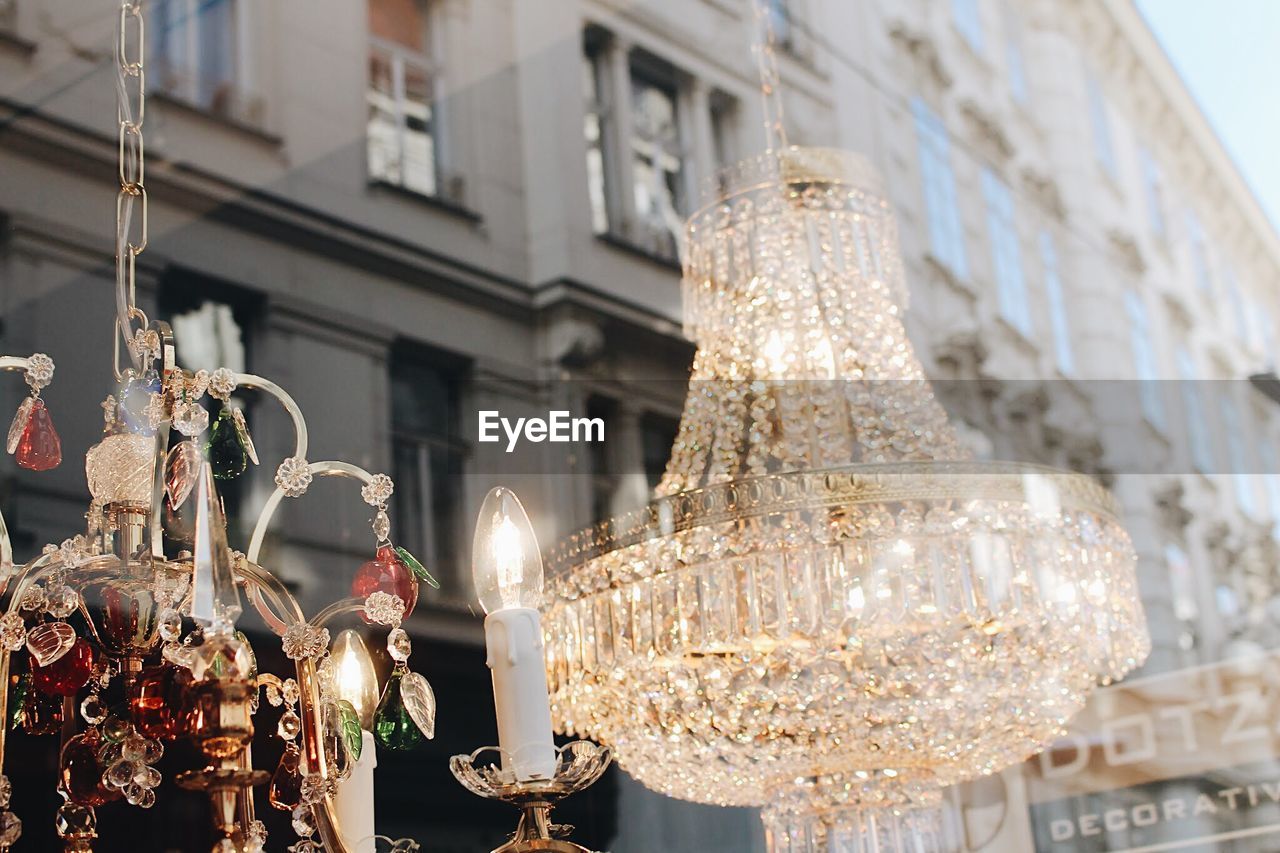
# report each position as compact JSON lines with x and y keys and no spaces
{"x":168,"y":363}
{"x":264,"y":585}
{"x":318,"y":469}
{"x":249,"y":380}
{"x":313,"y":756}
{"x":35,"y":566}
{"x":338,"y":608}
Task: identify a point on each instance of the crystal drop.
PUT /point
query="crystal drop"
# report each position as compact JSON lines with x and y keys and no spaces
{"x":398,"y":645}
{"x":182,"y":469}
{"x":50,"y":641}
{"x":93,"y":709}
{"x":146,"y":776}
{"x":153,"y":751}
{"x":303,"y":822}
{"x":386,"y":573}
{"x":19,"y":423}
{"x":420,"y":701}
{"x":289,"y":725}
{"x":392,"y":724}
{"x":41,"y":713}
{"x":242,"y":433}
{"x":133,"y":748}
{"x":121,"y":773}
{"x":227,"y":455}
{"x":39,"y":447}
{"x":116,"y":728}
{"x":147,"y":798}
{"x":335,"y":743}
{"x":82,"y":772}
{"x":76,"y":820}
{"x":66,"y":675}
{"x":61,"y":601}
{"x":133,"y":793}
{"x":286,"y":782}
{"x":170,"y":625}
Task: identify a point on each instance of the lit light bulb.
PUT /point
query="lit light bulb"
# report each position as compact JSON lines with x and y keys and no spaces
{"x":355,"y":679}
{"x":823,"y":359}
{"x":505,"y":562}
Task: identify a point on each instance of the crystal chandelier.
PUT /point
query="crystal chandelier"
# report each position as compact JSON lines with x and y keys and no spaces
{"x":121,"y":648}
{"x":830,"y":611}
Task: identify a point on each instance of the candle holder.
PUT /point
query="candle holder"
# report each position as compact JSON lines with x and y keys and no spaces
{"x":578,"y":765}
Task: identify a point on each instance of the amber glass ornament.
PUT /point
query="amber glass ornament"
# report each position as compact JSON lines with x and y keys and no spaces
{"x":82,"y":771}
{"x":286,"y":784}
{"x":41,"y":713}
{"x":219,"y":717}
{"x":66,"y":675}
{"x":386,"y":572}
{"x":157,"y":699}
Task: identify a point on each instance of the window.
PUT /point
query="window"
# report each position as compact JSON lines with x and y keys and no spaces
{"x":657,"y":434}
{"x":594,"y":133}
{"x":1153,"y":189}
{"x":1199,"y":254}
{"x":1017,"y":66}
{"x":1057,"y":305}
{"x":1238,"y":311}
{"x":194,"y":52}
{"x":1193,"y":410}
{"x":428,"y":457}
{"x":1006,"y":256}
{"x":968,"y":18}
{"x":1185,"y":605}
{"x":724,"y":130}
{"x":1271,"y":482}
{"x":1099,"y":116}
{"x":657,"y":163}
{"x":402,"y":134}
{"x":1241,"y":475}
{"x":946,"y":235}
{"x":1144,"y":359}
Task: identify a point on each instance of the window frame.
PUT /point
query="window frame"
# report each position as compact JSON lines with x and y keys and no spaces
{"x":1142,"y":349}
{"x":1006,"y":253}
{"x":938,"y":183}
{"x":1055,"y":297}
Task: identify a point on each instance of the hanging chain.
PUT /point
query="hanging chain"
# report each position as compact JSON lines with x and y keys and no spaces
{"x":131,"y":203}
{"x":764,"y":45}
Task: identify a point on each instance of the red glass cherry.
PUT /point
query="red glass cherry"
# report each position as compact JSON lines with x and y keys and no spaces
{"x":39,"y":449}
{"x":66,"y":675}
{"x":386,"y":573}
{"x":82,"y":772}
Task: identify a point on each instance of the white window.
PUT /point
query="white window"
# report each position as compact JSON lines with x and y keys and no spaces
{"x":946,"y":235}
{"x":1100,"y":117}
{"x":194,"y":53}
{"x":1199,"y":254}
{"x":1194,"y":412}
{"x":657,"y":163}
{"x":1271,"y":482}
{"x":778,"y":13}
{"x":1057,"y":305}
{"x":402,"y":134}
{"x":1006,"y":255}
{"x":1144,"y":360}
{"x":1153,"y":189}
{"x":968,"y":17}
{"x":637,"y":171}
{"x":1238,"y":312}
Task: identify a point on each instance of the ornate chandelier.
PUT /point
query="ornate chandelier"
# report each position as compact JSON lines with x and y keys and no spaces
{"x":121,"y":648}
{"x":829,"y":610}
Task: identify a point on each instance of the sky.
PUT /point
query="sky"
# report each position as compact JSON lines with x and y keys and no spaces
{"x":1228,"y":53}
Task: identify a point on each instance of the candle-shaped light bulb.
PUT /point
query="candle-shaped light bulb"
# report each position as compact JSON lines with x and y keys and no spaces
{"x":507,"y":568}
{"x":505,"y":561}
{"x":775,"y":355}
{"x":355,"y":679}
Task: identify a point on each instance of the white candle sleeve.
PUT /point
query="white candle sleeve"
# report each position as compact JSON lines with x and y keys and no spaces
{"x":354,"y":801}
{"x":513,"y":640}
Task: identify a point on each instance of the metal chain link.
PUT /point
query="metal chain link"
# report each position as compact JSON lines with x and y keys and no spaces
{"x":764,"y":45}
{"x":131,"y":203}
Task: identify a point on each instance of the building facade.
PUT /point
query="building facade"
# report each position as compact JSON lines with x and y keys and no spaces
{"x":409,"y":211}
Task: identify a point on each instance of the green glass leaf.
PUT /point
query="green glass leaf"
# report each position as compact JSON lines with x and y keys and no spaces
{"x":416,"y":567}
{"x":392,"y":724}
{"x":225,"y":450}
{"x":351,"y":732}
